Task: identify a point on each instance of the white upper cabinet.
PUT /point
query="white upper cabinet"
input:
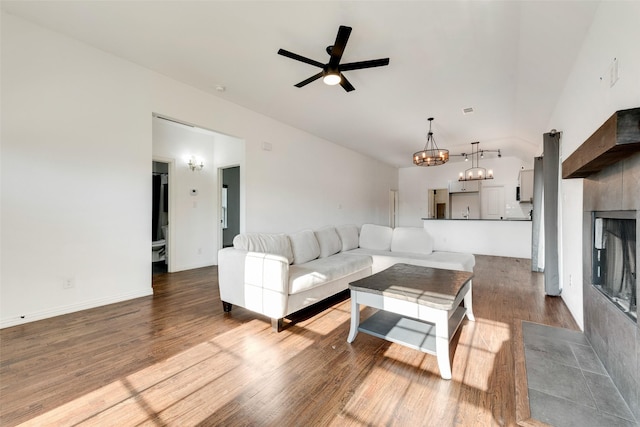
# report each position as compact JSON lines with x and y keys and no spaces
{"x":464,"y":186}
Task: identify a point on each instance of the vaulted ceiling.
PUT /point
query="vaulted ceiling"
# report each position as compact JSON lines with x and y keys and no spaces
{"x":508,"y":60}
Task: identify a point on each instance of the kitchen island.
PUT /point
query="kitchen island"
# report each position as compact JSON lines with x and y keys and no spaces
{"x":503,"y":237}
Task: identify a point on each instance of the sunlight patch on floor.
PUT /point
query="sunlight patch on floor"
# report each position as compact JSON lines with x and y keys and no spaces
{"x":186,"y":388}
{"x":476,"y":357}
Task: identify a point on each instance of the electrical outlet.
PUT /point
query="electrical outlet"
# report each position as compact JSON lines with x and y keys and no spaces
{"x":570,"y":281}
{"x":68,"y":283}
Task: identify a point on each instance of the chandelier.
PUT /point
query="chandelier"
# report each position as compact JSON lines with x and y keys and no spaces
{"x":431,"y":155}
{"x":475,"y":172}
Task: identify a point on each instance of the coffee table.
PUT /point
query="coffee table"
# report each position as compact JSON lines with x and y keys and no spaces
{"x":420,"y":307}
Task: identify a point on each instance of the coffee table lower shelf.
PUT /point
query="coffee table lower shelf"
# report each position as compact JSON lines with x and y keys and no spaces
{"x":413,"y":333}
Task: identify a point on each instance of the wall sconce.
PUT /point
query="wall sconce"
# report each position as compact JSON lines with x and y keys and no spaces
{"x":195,"y":165}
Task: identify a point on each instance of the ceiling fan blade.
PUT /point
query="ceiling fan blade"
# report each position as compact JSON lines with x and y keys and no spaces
{"x":364,"y":64}
{"x":309,"y":80}
{"x":299,"y":58}
{"x":338,"y":47}
{"x":345,"y":83}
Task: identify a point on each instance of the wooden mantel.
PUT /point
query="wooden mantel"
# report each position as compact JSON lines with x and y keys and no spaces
{"x":616,"y":139}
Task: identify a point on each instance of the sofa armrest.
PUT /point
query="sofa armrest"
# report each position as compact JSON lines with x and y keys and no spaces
{"x":257,"y":281}
{"x":230,"y":272}
{"x":267,"y":271}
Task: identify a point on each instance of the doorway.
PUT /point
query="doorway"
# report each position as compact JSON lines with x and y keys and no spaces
{"x":160,"y":218}
{"x":438,"y":203}
{"x":230,"y":205}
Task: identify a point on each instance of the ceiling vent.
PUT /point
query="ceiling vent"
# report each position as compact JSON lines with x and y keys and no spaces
{"x":468,"y":110}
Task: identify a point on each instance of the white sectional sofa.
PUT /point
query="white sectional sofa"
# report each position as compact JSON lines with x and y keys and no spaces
{"x":278,"y":274}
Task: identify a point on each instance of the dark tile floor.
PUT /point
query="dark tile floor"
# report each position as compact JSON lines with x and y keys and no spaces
{"x":568,"y":385}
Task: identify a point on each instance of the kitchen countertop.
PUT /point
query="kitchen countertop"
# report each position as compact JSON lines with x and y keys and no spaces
{"x":475,"y":219}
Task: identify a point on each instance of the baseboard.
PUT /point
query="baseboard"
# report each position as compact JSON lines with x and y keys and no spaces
{"x":185,"y":267}
{"x":58,"y":311}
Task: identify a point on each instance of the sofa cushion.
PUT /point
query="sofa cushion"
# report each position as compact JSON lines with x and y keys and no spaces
{"x":447,"y":260}
{"x":304,"y":246}
{"x":348,"y":236}
{"x":452,"y":260}
{"x":411,"y":240}
{"x":270,"y":243}
{"x":329,"y":241}
{"x":324,"y":270}
{"x":376,"y":237}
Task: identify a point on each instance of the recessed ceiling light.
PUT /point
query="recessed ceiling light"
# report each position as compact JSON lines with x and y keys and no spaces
{"x":468,"y":110}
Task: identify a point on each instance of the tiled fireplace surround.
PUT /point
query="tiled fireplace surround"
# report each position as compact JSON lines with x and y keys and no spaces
{"x":613,"y":335}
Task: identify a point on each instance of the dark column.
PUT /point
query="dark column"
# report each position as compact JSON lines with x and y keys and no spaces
{"x":551,"y":168}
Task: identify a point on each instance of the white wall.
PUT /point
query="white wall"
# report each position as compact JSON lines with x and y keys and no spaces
{"x":303,"y":183}
{"x":76,"y":176}
{"x":415,"y":181}
{"x":584,"y":104}
{"x":76,"y":167}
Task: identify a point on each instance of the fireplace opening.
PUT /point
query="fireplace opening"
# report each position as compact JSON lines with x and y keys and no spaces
{"x":614,"y":258}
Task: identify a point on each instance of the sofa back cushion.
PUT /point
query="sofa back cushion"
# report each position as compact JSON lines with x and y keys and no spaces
{"x":348,"y":236}
{"x":328,"y":241}
{"x":304,"y":246}
{"x":376,"y":237}
{"x":412,"y":240}
{"x":277,"y":244}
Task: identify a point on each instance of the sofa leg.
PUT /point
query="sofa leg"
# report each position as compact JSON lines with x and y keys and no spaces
{"x":276,"y":325}
{"x":226,"y":306}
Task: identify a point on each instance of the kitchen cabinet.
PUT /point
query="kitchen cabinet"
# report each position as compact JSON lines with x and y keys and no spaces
{"x":464,"y":186}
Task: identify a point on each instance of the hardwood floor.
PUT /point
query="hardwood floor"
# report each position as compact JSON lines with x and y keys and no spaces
{"x":177,"y":359}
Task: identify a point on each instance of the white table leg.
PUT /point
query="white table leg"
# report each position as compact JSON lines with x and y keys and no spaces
{"x":468,"y":305}
{"x":442,"y":344}
{"x":355,"y":317}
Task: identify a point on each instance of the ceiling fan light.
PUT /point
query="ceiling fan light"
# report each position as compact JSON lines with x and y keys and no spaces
{"x":331,"y":79}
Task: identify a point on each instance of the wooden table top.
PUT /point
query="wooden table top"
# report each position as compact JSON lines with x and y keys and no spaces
{"x":433,"y":287}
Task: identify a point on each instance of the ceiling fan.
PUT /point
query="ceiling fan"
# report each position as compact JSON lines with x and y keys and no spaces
{"x":332,"y":71}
